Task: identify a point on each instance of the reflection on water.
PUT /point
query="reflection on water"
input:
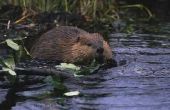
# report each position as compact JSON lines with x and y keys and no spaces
{"x":140,"y":82}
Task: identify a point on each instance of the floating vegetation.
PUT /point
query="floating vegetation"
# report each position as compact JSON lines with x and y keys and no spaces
{"x":68,"y":66}
{"x":72,"y":93}
{"x":79,"y":71}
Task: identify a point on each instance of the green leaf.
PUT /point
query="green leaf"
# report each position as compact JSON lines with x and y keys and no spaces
{"x":56,"y":83}
{"x":12,"y":44}
{"x":9,"y":62}
{"x":72,"y":93}
{"x":10,"y":71}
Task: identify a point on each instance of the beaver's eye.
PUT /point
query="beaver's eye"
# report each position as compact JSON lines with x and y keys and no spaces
{"x":89,"y":44}
{"x":78,"y":39}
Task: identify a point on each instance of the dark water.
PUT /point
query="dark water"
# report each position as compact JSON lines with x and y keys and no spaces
{"x":140,"y":82}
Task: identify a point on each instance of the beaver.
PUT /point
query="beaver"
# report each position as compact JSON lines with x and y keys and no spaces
{"x":71,"y":45}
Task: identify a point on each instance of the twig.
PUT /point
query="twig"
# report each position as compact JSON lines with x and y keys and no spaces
{"x":8,"y":25}
{"x":21,"y":19}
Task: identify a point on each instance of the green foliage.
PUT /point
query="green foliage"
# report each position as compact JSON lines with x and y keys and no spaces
{"x":140,"y":6}
{"x":57,"y":84}
{"x":8,"y":65}
{"x":12,"y":44}
{"x":73,"y":69}
{"x":2,"y":2}
{"x":101,"y":10}
{"x":78,"y":71}
{"x":16,"y":51}
{"x":92,"y":9}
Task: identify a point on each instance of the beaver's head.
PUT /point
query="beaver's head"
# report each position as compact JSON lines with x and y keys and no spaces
{"x":94,"y":42}
{"x":89,"y":47}
{"x":108,"y":56}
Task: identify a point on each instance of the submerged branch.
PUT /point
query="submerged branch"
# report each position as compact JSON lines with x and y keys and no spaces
{"x":40,"y":72}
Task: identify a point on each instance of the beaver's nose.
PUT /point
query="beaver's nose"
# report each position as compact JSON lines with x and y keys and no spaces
{"x":99,"y":55}
{"x":100,"y":50}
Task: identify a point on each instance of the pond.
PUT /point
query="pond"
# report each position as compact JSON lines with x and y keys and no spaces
{"x":140,"y":82}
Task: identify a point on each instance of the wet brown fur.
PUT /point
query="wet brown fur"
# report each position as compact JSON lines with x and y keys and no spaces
{"x":70,"y":44}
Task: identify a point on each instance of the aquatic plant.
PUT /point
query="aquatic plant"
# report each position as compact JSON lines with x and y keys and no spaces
{"x":16,"y":51}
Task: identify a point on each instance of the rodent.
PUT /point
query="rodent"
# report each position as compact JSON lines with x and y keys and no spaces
{"x":71,"y":45}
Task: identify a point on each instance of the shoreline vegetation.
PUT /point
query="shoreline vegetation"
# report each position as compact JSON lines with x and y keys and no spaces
{"x":93,"y":11}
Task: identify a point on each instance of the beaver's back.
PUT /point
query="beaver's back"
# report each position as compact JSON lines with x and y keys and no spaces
{"x":57,"y":43}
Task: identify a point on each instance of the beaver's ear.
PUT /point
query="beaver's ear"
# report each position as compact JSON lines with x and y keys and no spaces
{"x":97,"y":34}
